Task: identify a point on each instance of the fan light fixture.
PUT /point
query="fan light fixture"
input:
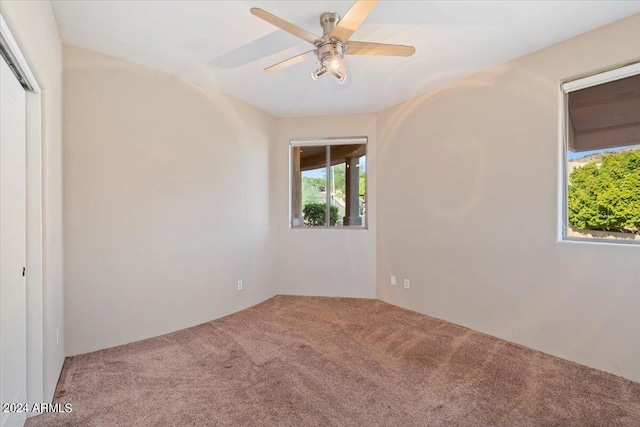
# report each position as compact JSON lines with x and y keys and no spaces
{"x":333,"y":64}
{"x":317,"y":73}
{"x":336,"y":65}
{"x":331,"y":58}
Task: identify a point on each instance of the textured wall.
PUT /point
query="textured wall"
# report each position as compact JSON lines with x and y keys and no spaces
{"x":468,"y":204}
{"x":166,"y":203}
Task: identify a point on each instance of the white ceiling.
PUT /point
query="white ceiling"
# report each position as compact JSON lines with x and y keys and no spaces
{"x":220,"y":44}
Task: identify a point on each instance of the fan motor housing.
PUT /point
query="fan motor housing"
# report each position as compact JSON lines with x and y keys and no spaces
{"x":330,"y":49}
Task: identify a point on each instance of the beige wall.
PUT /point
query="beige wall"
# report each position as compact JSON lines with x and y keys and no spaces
{"x":166,"y":203}
{"x":323,"y":262}
{"x":34,"y":27}
{"x":468,"y":211}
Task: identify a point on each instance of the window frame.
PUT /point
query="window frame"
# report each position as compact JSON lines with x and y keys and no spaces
{"x":327,"y":142}
{"x":567,"y":86}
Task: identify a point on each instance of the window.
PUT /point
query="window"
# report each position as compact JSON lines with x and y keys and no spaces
{"x":329,"y":183}
{"x":602,"y":161}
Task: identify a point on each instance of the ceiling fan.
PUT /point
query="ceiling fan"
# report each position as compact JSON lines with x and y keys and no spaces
{"x":334,"y":43}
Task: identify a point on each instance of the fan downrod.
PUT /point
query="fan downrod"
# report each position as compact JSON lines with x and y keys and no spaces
{"x":328,"y":21}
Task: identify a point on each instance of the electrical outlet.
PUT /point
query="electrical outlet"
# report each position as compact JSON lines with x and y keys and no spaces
{"x":239,"y":285}
{"x":393,"y":280}
{"x":406,"y":283}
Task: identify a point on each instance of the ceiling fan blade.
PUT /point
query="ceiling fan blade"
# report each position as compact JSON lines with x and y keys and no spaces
{"x":282,"y":24}
{"x":352,"y":20}
{"x":379,"y":49}
{"x":289,"y":62}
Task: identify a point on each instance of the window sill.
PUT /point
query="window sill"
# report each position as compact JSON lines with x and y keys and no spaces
{"x":597,"y":241}
{"x":355,"y":228}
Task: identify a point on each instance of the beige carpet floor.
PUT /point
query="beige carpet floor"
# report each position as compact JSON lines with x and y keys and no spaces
{"x":308,"y":361}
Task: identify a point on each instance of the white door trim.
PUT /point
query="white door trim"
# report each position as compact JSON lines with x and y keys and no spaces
{"x":35,"y":338}
{"x":21,"y":62}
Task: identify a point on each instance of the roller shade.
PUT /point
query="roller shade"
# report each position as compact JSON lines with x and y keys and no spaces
{"x":603,"y":115}
{"x":300,"y":142}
